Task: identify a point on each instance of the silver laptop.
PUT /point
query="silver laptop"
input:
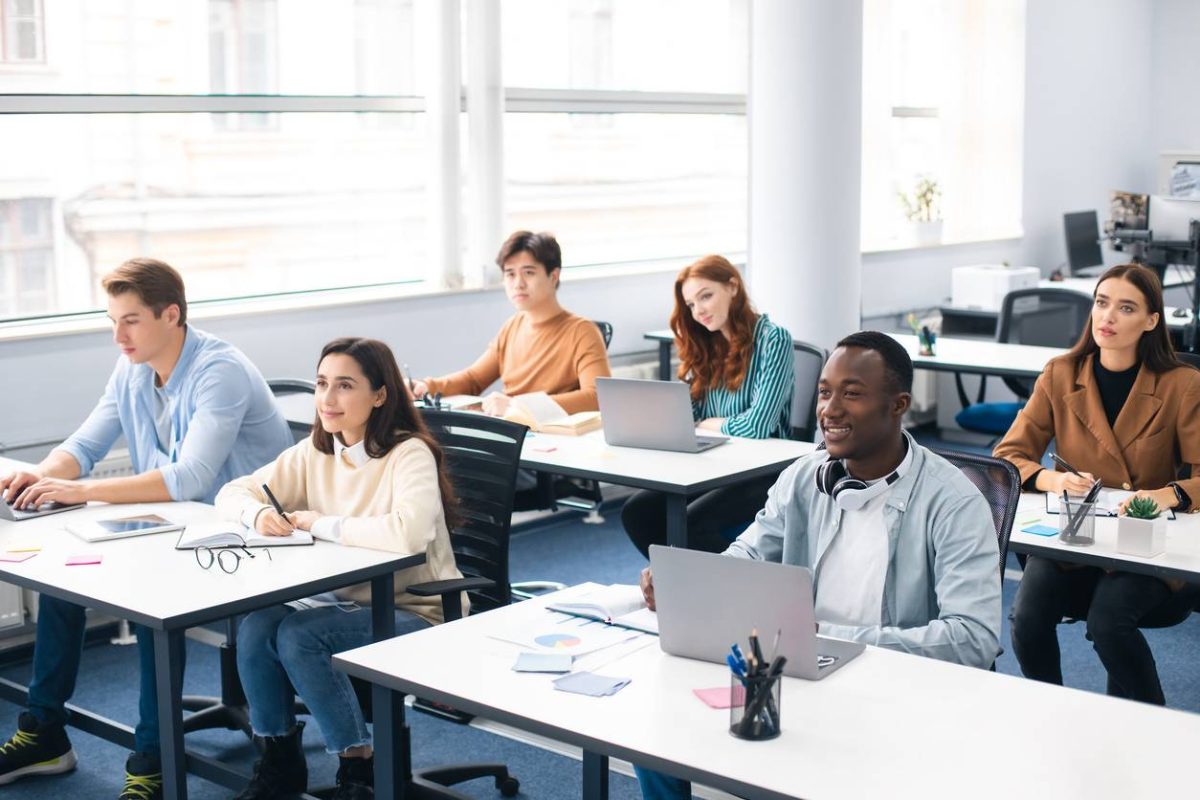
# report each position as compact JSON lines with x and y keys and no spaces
{"x":696,"y":620}
{"x":16,"y":515}
{"x":651,"y":414}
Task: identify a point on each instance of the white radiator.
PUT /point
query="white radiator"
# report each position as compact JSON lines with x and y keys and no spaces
{"x":116,"y":465}
{"x":12,"y":606}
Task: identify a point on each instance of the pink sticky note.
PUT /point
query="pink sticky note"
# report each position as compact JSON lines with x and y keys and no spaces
{"x":91,"y":558}
{"x":543,"y":448}
{"x":717,"y":697}
{"x":16,"y":557}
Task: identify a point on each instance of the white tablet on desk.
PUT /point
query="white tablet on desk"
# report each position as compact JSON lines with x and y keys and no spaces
{"x":101,"y":530}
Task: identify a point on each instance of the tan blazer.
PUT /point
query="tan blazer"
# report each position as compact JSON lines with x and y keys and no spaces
{"x":1156,"y":432}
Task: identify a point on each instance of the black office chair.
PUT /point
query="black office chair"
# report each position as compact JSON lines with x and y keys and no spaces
{"x":284,"y":387}
{"x":482,"y":456}
{"x":1191,"y":359}
{"x":1039,"y":316}
{"x":229,"y":710}
{"x":1000,"y":484}
{"x":809,"y":360}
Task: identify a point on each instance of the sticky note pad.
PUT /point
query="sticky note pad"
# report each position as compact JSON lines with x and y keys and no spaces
{"x":17,"y":556}
{"x":81,"y":560}
{"x":717,"y":697}
{"x":542,"y":662}
{"x":590,"y":684}
{"x":1040,"y":530}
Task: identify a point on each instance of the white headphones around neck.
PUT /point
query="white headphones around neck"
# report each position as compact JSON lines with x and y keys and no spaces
{"x":851,"y":494}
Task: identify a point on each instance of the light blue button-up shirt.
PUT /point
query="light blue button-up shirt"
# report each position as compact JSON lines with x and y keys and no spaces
{"x":941,"y":594}
{"x":224,"y":420}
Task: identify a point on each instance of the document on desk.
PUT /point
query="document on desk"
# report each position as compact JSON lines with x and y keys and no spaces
{"x":573,"y":636}
{"x":231,"y":534}
{"x":1107,"y":503}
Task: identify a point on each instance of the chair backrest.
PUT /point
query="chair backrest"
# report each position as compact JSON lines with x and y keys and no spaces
{"x":1000,"y":484}
{"x":300,"y":426}
{"x":1048,"y":317}
{"x":605,"y":331}
{"x":481,"y":456}
{"x":809,"y":360}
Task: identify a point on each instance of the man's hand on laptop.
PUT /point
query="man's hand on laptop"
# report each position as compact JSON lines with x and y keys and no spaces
{"x":52,"y":490}
{"x":14,"y":483}
{"x":647,"y":584}
{"x":496,"y":404}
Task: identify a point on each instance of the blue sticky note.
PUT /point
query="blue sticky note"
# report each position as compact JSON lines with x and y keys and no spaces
{"x":1040,"y":530}
{"x":590,"y":684}
{"x":542,"y":662}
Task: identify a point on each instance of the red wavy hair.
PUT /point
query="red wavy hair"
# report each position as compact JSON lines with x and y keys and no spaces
{"x":707,"y":360}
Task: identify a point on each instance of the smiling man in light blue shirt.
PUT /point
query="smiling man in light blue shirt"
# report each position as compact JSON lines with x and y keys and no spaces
{"x":195,"y":413}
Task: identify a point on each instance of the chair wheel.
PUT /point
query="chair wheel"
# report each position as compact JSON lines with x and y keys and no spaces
{"x":508,"y":786}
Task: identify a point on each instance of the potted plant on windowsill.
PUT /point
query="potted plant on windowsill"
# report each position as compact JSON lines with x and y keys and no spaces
{"x":924,"y":211}
{"x":1142,"y":530}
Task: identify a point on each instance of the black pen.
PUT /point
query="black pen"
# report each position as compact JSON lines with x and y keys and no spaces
{"x":1062,"y":463}
{"x":274,"y":502}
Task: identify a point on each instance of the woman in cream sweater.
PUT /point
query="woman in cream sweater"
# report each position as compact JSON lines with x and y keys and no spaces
{"x":369,"y":476}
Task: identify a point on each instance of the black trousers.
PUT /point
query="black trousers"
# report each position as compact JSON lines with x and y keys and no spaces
{"x":1115,"y":605}
{"x":710,"y":516}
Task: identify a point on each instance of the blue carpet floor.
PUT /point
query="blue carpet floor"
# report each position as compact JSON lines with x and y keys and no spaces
{"x":569,"y":552}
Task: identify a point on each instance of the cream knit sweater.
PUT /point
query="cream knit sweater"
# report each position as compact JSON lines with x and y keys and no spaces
{"x":390,"y":503}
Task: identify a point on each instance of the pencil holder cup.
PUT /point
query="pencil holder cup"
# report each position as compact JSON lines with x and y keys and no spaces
{"x":754,"y":713}
{"x":1077,"y":523}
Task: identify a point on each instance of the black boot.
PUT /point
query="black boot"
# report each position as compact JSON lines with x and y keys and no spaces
{"x":355,"y":779}
{"x":281,"y":772}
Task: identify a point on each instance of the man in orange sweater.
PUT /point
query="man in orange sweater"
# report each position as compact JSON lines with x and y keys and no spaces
{"x":541,"y":348}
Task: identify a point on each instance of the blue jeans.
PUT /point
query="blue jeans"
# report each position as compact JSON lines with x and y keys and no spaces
{"x":660,"y":786}
{"x":284,"y":652}
{"x":56,"y":655}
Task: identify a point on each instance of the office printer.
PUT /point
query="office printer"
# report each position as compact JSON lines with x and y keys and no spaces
{"x":983,"y":286}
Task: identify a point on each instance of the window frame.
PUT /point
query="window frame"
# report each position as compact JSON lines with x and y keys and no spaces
{"x":7,"y":19}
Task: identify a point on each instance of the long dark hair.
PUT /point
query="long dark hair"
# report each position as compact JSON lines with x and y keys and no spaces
{"x":708,"y":360}
{"x":1155,"y":350}
{"x":394,"y":422}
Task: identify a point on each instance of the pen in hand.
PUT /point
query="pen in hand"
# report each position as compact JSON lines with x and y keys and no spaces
{"x":1062,"y":463}
{"x":278,"y":508}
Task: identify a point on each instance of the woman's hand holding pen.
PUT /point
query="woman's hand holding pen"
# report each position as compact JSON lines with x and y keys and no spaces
{"x":272,"y":523}
{"x":1071,"y":482}
{"x":647,"y":583}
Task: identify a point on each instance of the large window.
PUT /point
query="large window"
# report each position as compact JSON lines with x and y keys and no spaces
{"x":271,"y":146}
{"x":21,"y":38}
{"x":943,"y":99}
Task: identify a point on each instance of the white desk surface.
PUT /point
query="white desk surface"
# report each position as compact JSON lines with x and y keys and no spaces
{"x":886,"y":725}
{"x":979,"y":356}
{"x":589,"y":456}
{"x":145,"y":579}
{"x":1181,"y":560}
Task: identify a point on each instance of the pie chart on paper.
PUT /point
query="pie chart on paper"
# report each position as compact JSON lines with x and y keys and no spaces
{"x":558,"y":641}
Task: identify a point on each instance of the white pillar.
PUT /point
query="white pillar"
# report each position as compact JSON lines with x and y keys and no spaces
{"x":805,"y":118}
{"x":485,"y":143}
{"x":443,"y":107}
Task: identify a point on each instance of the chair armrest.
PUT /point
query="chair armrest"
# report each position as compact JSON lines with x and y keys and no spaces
{"x":450,"y":586}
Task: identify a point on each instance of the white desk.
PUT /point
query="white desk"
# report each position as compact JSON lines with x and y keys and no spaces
{"x":146,"y":580}
{"x":886,"y":725}
{"x":1181,"y":560}
{"x":678,"y":475}
{"x":979,"y":356}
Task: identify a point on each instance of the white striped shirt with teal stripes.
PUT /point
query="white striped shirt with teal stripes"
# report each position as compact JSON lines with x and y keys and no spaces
{"x":762,"y":405}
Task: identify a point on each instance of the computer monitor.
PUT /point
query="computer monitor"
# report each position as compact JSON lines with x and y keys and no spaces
{"x":1170,"y":218}
{"x":1082,"y":229}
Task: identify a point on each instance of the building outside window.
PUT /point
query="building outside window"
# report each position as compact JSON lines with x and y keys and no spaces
{"x":21,"y":26}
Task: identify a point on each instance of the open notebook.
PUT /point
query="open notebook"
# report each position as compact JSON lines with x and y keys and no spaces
{"x":1107,"y":503}
{"x":543,"y":415}
{"x":619,"y":604}
{"x":232,"y":534}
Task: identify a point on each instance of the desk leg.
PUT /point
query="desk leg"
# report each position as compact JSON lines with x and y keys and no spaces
{"x":677,"y":520}
{"x":595,"y":776}
{"x":664,"y":361}
{"x":168,"y":678}
{"x":387,"y":707}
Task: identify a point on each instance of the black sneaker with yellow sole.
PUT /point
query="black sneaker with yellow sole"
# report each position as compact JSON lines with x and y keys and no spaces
{"x":143,"y":777}
{"x":37,"y":748}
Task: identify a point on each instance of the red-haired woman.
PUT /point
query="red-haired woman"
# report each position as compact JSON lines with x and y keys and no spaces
{"x":740,"y":368}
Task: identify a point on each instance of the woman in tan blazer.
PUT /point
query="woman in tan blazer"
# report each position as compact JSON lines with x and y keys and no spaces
{"x":1122,"y":408}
